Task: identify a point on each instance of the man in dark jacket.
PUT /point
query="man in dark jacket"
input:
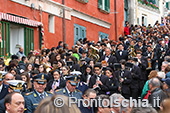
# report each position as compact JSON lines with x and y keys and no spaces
{"x":110,"y":59}
{"x":99,"y":81}
{"x":125,"y":79}
{"x":157,"y":95}
{"x":121,"y":53}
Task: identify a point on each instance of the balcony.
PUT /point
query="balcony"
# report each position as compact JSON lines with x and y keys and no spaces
{"x":149,"y":4}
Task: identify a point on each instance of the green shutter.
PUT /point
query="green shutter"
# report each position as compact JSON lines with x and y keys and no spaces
{"x":6,"y":39}
{"x":107,"y":5}
{"x":167,"y":5}
{"x":100,"y":4}
{"x":79,"y":32}
{"x":28,"y":40}
{"x":87,"y":1}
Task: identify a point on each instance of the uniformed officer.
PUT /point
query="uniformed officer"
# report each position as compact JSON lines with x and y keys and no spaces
{"x":3,"y":87}
{"x":71,"y":84}
{"x":14,"y":86}
{"x":32,"y":99}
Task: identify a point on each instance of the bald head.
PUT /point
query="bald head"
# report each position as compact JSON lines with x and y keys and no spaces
{"x":21,"y":49}
{"x":154,"y":83}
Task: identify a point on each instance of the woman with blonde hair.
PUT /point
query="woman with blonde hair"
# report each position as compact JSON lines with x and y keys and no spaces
{"x":145,"y":90}
{"x":49,"y":105}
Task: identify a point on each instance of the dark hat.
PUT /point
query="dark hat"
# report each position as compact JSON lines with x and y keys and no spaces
{"x":16,"y":85}
{"x":167,"y":81}
{"x":74,"y":78}
{"x":129,"y":65}
{"x":117,"y":66}
{"x":41,"y":78}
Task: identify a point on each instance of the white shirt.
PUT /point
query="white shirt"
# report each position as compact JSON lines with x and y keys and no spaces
{"x":120,"y":53}
{"x":69,"y":92}
{"x":1,"y":87}
{"x":107,"y":58}
{"x":56,"y":83}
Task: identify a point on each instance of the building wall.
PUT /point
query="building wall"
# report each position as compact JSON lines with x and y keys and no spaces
{"x":152,"y":15}
{"x":91,"y":18}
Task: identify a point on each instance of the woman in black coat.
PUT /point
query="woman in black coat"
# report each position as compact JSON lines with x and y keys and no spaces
{"x":86,"y":76}
{"x":114,"y":84}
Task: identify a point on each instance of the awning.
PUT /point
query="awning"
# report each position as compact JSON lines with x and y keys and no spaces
{"x":19,"y":20}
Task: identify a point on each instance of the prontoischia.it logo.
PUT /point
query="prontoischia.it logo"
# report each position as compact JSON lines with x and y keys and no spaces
{"x":59,"y":102}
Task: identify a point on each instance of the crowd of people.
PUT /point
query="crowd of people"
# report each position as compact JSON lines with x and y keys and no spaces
{"x":138,"y":67}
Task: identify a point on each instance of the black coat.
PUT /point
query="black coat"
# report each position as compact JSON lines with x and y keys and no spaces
{"x":143,"y":65}
{"x":113,"y":85}
{"x":62,"y":84}
{"x":4,"y":91}
{"x":105,"y":81}
{"x":124,"y":55}
{"x":111,"y":61}
{"x":136,"y":73}
{"x":125,"y":85}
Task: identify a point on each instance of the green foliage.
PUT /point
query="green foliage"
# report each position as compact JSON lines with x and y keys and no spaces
{"x":150,"y":4}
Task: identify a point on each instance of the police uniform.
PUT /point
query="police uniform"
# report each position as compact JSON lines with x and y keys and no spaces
{"x":3,"y":87}
{"x":73,"y":79}
{"x":33,"y":98}
{"x":16,"y":86}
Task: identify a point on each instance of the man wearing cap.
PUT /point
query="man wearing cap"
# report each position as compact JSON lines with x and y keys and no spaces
{"x":14,"y":86}
{"x":32,"y":99}
{"x":71,"y":84}
{"x":3,"y":88}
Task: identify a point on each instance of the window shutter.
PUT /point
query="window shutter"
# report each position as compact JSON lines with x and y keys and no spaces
{"x":145,"y":21}
{"x":103,"y":35}
{"x":167,"y":5}
{"x":76,"y":33}
{"x":82,"y":32}
{"x":100,"y":4}
{"x":107,"y":5}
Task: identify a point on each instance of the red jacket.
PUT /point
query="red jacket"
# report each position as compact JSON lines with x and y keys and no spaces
{"x":126,"y":30}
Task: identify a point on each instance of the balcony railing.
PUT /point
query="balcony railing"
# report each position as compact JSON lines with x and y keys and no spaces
{"x":150,"y":4}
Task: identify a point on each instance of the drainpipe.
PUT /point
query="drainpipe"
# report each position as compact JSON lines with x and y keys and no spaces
{"x":116,"y":20}
{"x":63,"y":21}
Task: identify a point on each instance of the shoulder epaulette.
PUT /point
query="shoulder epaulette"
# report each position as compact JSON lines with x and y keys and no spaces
{"x":58,"y":90}
{"x":28,"y":93}
{"x":78,"y":90}
{"x":49,"y":92}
